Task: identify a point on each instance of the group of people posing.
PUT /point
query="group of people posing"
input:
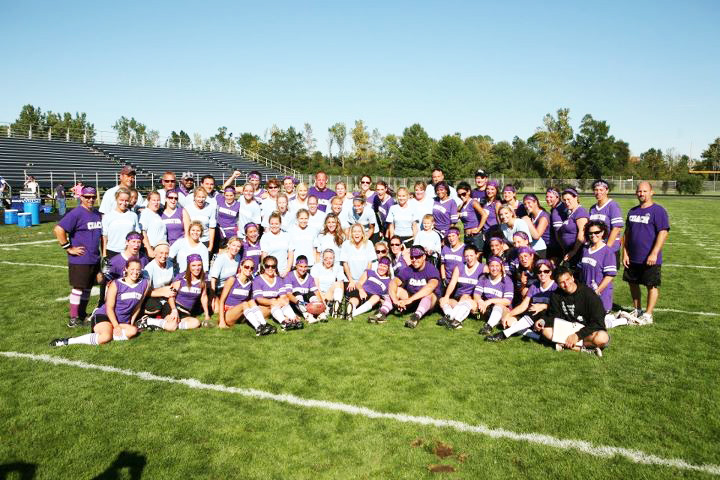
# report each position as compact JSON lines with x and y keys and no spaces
{"x":303,"y":254}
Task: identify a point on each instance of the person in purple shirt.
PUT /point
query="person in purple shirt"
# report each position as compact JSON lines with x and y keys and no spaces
{"x":320,"y":190}
{"x":472,"y":215}
{"x":416,"y":286}
{"x":115,"y":320}
{"x":571,"y":230}
{"x":191,"y":298}
{"x":251,"y":245}
{"x":538,"y":222}
{"x":399,"y":255}
{"x":558,"y":214}
{"x":481,"y":179}
{"x":79,"y":233}
{"x":228,"y":213}
{"x":381,"y":202}
{"x":607,"y":211}
{"x":646,"y":230}
{"x":115,"y":268}
{"x":458,"y":302}
{"x":445,"y":211}
{"x":269,"y":294}
{"x":175,"y":218}
{"x":300,"y":288}
{"x":493,"y":294}
{"x":236,"y":301}
{"x":372,"y":288}
{"x":597,"y":266}
{"x":451,"y":255}
{"x":509,"y":194}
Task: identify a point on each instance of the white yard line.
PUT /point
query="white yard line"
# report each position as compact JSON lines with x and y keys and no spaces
{"x":27,"y":243}
{"x":689,"y":266}
{"x":34,"y":264}
{"x":93,"y":293}
{"x":602,"y":451}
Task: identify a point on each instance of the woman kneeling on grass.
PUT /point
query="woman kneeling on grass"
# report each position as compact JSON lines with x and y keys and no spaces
{"x":269,"y":293}
{"x":191,"y":298}
{"x":493,"y":294}
{"x":115,"y":319}
{"x":372,"y":290}
{"x":236,"y":301}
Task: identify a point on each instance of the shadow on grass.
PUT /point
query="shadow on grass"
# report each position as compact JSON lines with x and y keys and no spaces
{"x":24,"y":471}
{"x":133,"y":462}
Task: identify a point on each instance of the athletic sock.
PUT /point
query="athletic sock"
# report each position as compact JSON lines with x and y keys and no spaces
{"x":338,"y":295}
{"x":277,"y":314}
{"x":495,"y":315}
{"x":289,"y":312}
{"x":447,"y":309}
{"x":461,"y":311}
{"x":156,"y":322}
{"x":611,"y":321}
{"x":75,"y":297}
{"x":249,"y":315}
{"x":365,"y":307}
{"x":120,"y":338}
{"x":423,"y":306}
{"x":84,"y":300}
{"x":183,"y":326}
{"x":524,"y":323}
{"x":87,"y":339}
{"x":387,"y":305}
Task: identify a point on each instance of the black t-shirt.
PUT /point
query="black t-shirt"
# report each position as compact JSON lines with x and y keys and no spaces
{"x":583,"y":306}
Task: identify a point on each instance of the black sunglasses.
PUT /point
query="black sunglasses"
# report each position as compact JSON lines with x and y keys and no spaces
{"x":272,"y":265}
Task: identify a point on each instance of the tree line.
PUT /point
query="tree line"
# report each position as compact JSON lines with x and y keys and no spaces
{"x":555,"y":150}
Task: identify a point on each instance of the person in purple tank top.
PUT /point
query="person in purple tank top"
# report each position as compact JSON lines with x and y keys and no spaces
{"x":381,"y":202}
{"x":79,"y":233}
{"x":115,"y":320}
{"x":493,"y":294}
{"x":646,"y":230}
{"x":538,"y":222}
{"x":399,"y":255}
{"x":228,"y":213}
{"x":251,"y":245}
{"x":571,"y":231}
{"x":451,"y":255}
{"x":269,"y":294}
{"x":115,"y":268}
{"x":607,"y":211}
{"x":472,"y":215}
{"x":300,"y":288}
{"x":509,"y":194}
{"x":492,"y":205}
{"x":445,"y":211}
{"x":176,"y":218}
{"x":191,"y":297}
{"x":236,"y":301}
{"x":558,"y":214}
{"x":372,"y":289}
{"x":458,"y":302}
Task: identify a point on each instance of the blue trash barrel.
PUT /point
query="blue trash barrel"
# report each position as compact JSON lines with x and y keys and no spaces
{"x":25,"y":220}
{"x":17,"y":204}
{"x":11,"y":217}
{"x":32,"y":206}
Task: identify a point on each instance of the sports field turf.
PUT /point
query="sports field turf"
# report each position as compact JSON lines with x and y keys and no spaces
{"x":656,"y":391}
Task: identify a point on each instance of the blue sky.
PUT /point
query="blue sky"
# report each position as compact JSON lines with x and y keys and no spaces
{"x":650,"y":69}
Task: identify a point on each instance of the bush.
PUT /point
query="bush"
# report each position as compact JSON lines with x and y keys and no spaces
{"x":689,"y":184}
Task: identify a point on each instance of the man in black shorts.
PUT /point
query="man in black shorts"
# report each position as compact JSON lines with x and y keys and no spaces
{"x":646,"y":230}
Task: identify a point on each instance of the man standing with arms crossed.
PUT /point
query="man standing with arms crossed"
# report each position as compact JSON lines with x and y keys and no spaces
{"x":647,"y":229}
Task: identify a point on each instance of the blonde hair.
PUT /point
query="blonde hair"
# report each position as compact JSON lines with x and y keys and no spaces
{"x":197,"y":223}
{"x":362,"y":230}
{"x":120,"y":191}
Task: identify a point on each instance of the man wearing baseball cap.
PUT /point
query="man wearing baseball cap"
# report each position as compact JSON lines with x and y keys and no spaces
{"x":481,"y":178}
{"x":416,"y":286}
{"x":127,"y":180}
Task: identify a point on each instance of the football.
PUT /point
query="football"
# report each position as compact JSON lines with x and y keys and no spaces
{"x":315,"y":308}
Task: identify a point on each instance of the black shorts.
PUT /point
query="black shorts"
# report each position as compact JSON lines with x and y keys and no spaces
{"x":99,"y":318}
{"x":183,"y":311}
{"x":642,"y":274}
{"x":83,"y":277}
{"x":155,"y":304}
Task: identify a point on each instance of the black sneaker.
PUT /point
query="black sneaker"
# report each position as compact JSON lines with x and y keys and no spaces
{"x":299,"y":325}
{"x":443,"y":321}
{"x":455,"y":325}
{"x":75,"y":322}
{"x":268,"y":329}
{"x":59,"y":342}
{"x":486,"y":330}
{"x":330,"y":309}
{"x":260,"y":330}
{"x":380,"y":317}
{"x":348,"y":311}
{"x":412,"y":321}
{"x":498,"y":337}
{"x":285,"y":326}
{"x":142,"y":324}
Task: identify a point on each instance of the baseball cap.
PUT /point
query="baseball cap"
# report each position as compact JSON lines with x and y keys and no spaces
{"x":480,"y":173}
{"x":127,"y":170}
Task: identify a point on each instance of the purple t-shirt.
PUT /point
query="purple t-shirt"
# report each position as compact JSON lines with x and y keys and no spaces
{"x":502,"y":288}
{"x":451,"y":258}
{"x":399,"y":264}
{"x":189,"y":295}
{"x":567,"y":228}
{"x":479,"y":195}
{"x":84,"y":229}
{"x":642,"y":227}
{"x":126,"y":299}
{"x":116,"y":265}
{"x":253,"y":252}
{"x":297,"y":286}
{"x":414,"y":280}
{"x":375,"y":284}
{"x":445,"y":214}
{"x":227,"y":217}
{"x":323,"y":197}
{"x":467,"y":280}
{"x":240,"y":292}
{"x":596,"y":265}
{"x":174,"y":225}
{"x":492,"y":215}
{"x":611,"y":215}
{"x":469,"y":216}
{"x":263,"y":289}
{"x":557,"y":216}
{"x":381,"y":208}
{"x":539,"y":295}
{"x":546,"y":234}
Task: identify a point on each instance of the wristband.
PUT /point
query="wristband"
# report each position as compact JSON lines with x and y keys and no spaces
{"x":66,"y":245}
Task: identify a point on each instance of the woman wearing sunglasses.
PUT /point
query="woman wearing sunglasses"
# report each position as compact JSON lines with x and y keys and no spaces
{"x":399,"y":255}
{"x":236,"y":301}
{"x":366,"y":190}
{"x":268,"y":291}
{"x":472,"y":215}
{"x":175,"y":218}
{"x":521,"y":318}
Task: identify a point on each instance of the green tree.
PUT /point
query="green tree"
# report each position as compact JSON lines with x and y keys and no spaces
{"x":178,"y":140}
{"x":130,"y":131}
{"x":222,"y":140}
{"x":596,"y":153}
{"x":452,"y":156}
{"x":287,"y":147}
{"x":61,"y":126}
{"x":710,"y":157}
{"x":338,"y":132}
{"x":415,"y":152}
{"x":553,"y":142}
{"x":249,"y":141}
{"x":309,"y":139}
{"x":362,"y":148}
{"x":651,"y":164}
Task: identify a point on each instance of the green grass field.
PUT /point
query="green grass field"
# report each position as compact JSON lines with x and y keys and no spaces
{"x":656,"y":390}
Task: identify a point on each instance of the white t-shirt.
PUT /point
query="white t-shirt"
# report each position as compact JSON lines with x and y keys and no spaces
{"x":116,"y":226}
{"x":402,"y":219}
{"x":521,"y":226}
{"x":156,"y":229}
{"x":429,"y":240}
{"x":224,"y":267}
{"x":357,"y":258}
{"x":303,"y":242}
{"x":325,"y":241}
{"x":205,"y":215}
{"x":267,"y":207}
{"x":158,"y":276}
{"x":296,"y":205}
{"x":366,"y":218}
{"x":278,"y":246}
{"x":325,"y":277}
{"x":181,"y":249}
{"x":249,"y":212}
{"x":317,"y":221}
{"x":430,"y":192}
{"x":421,"y":208}
{"x":108,"y":203}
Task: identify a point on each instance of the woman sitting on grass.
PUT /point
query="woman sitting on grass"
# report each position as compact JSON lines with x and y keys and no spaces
{"x":116,"y":318}
{"x":269,"y":293}
{"x":458,"y":302}
{"x":372,"y":290}
{"x":236,"y":301}
{"x":191,"y":299}
{"x":493,"y":294}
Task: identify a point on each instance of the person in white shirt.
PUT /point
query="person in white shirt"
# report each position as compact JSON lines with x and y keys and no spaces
{"x":342,"y":193}
{"x":357,"y":255}
{"x":510,"y":224}
{"x":439,"y":176}
{"x":402,"y":219}
{"x":422,"y":203}
{"x":153,"y":228}
{"x":189,"y":245}
{"x":249,"y":209}
{"x":269,"y":205}
{"x":276,"y":243}
{"x":329,"y":280}
{"x":204,"y":212}
{"x":361,"y":213}
{"x":300,"y":200}
{"x":331,"y":238}
{"x":160,"y":272}
{"x":317,"y":216}
{"x":429,"y":239}
{"x":127,"y":180}
{"x":225,"y":266}
{"x":117,"y":223}
{"x":303,"y":237}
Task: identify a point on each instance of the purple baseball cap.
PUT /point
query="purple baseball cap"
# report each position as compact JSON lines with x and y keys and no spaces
{"x":88,"y":191}
{"x":416,"y":251}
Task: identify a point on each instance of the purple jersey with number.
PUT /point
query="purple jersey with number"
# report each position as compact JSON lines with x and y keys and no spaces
{"x":227,"y":217}
{"x":126,"y":300}
{"x":399,"y":264}
{"x":594,"y":266}
{"x":445,"y":214}
{"x":467,"y":280}
{"x":381,"y":208}
{"x":492,"y":215}
{"x":174,"y":225}
{"x":414,"y":280}
{"x":299,"y":286}
{"x":188,"y":295}
{"x":642,"y":227}
{"x":375,"y":284}
{"x":546,"y":234}
{"x":451,"y":258}
{"x":253,"y":252}
{"x":539,"y":294}
{"x":567,"y":229}
{"x":323,"y":197}
{"x":611,"y":215}
{"x":489,"y":289}
{"x":263,"y":289}
{"x":84,"y":229}
{"x":557,"y":216}
{"x":239,"y":292}
{"x":116,"y":266}
{"x":479,"y":195}
{"x":469,"y":216}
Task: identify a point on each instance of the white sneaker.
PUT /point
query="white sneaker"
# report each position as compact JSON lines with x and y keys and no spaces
{"x":310,"y":318}
{"x":559,"y":347}
{"x":631,"y":319}
{"x":646,"y":319}
{"x":592,"y":351}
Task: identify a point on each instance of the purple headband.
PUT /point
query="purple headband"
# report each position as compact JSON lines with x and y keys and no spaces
{"x":88,"y":191}
{"x":571,"y":191}
{"x":417,"y":252}
{"x":193,"y":257}
{"x":509,"y":188}
{"x":525,"y":250}
{"x":600,"y":183}
{"x":442,"y":184}
{"x":530,"y":196}
{"x":546,"y":262}
{"x":453,"y":230}
{"x":494,"y":259}
{"x":301,"y":261}
{"x":250,"y":225}
{"x":254,"y":175}
{"x":522,"y":235}
{"x":133,"y":236}
{"x":553,"y":191}
{"x":492,"y":183}
{"x":229,"y":189}
{"x":384,"y":261}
